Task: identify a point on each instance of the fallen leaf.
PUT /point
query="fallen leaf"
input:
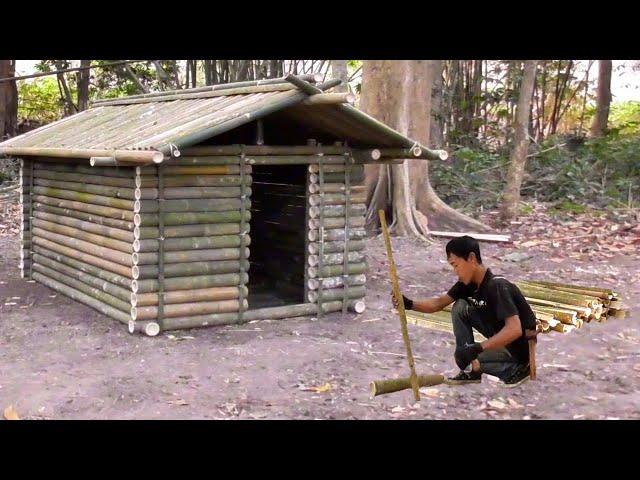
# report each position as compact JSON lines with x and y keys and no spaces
{"x":324,"y":388}
{"x":497,"y":404}
{"x":10,"y":413}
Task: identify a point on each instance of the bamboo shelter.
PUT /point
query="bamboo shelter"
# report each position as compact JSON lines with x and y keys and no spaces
{"x":209,"y":206}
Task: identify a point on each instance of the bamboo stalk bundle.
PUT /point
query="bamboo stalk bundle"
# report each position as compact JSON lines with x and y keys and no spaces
{"x":603,"y":293}
{"x":558,"y":296}
{"x":381,"y":387}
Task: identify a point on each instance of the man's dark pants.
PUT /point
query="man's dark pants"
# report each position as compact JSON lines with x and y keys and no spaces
{"x":465,"y":317}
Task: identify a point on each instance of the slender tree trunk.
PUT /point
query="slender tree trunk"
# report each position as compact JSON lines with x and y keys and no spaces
{"x":437,"y":137}
{"x":132,"y":75}
{"x":8,"y":101}
{"x":339,"y":70}
{"x":603,"y":100}
{"x":69,"y":107}
{"x":511,"y":198}
{"x":83,"y":85}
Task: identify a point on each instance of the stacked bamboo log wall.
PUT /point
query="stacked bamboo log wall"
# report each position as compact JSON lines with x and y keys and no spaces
{"x":26,"y":175}
{"x":336,"y":265}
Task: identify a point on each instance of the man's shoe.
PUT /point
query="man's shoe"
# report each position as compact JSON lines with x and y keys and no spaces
{"x":464,"y":377}
{"x":518,"y":377}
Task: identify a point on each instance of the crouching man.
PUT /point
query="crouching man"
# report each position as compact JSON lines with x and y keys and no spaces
{"x":494,"y":307}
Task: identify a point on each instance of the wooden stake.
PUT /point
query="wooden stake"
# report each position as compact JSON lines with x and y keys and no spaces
{"x":403,"y":316}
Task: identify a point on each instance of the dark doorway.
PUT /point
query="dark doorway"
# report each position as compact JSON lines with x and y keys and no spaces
{"x":278,"y":216}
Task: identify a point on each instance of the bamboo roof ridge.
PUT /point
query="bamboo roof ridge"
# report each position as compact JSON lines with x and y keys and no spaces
{"x":149,"y":128}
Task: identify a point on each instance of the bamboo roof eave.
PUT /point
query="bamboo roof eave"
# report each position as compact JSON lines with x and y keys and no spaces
{"x":134,"y":157}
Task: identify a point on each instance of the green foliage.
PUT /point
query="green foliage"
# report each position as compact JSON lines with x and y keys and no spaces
{"x":624,"y":118}
{"x":39,"y":99}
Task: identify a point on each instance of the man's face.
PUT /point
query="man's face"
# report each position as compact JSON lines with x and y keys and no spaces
{"x":463,"y":268}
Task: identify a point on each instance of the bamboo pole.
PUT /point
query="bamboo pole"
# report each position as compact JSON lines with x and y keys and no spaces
{"x":581,"y":311}
{"x":381,"y":387}
{"x":337,"y":187}
{"x":190,"y":218}
{"x":191,"y":205}
{"x":185,"y":231}
{"x":102,"y":211}
{"x":140,"y":157}
{"x":336,"y":235}
{"x":176,"y":181}
{"x":338,"y":211}
{"x":330,"y":99}
{"x":335,"y":258}
{"x":338,"y":222}
{"x":88,"y":217}
{"x":336,"y":282}
{"x":84,"y":257}
{"x":187,"y":193}
{"x":336,"y":199}
{"x":558,"y":296}
{"x":89,"y":227}
{"x":336,"y":247}
{"x":403,"y":317}
{"x":146,"y":248}
{"x":82,"y":298}
{"x":83,"y":197}
{"x":355,"y":306}
{"x":293,"y":160}
{"x":86,"y":178}
{"x":188,"y":268}
{"x":357,"y":176}
{"x":329,"y":295}
{"x":602,"y":293}
{"x":187,"y":309}
{"x":487,"y":237}
{"x":335,"y":270}
{"x":75,"y":233}
{"x":190,"y":282}
{"x":116,"y":172}
{"x":186,"y":296}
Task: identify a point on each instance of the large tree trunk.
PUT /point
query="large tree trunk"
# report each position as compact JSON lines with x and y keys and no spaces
{"x":83,"y":85}
{"x":339,"y":70}
{"x":511,"y":198}
{"x":8,"y":101}
{"x":398,"y":93}
{"x":603,"y":101}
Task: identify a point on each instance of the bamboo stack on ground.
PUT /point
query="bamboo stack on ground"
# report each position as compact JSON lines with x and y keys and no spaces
{"x":336,"y":264}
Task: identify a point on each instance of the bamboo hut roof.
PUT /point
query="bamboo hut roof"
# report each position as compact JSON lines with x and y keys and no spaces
{"x":159,"y":122}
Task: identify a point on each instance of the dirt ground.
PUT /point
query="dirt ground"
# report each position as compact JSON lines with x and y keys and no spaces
{"x":62,"y":360}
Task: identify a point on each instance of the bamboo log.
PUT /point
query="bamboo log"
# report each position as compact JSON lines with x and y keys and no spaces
{"x":187,"y":296}
{"x":338,"y":187}
{"x":294,"y":160}
{"x":336,"y":235}
{"x":271,"y":313}
{"x":88,"y":217}
{"x":355,"y":177}
{"x":190,"y":255}
{"x":75,"y":233}
{"x":171,"y":170}
{"x":330,"y":99}
{"x":565,"y":316}
{"x":51,"y":267}
{"x":185,"y":231}
{"x":90,"y":227}
{"x":354,"y":222}
{"x":602,"y":293}
{"x":101,"y":273}
{"x":558,"y":296}
{"x":150,"y":329}
{"x":487,"y":237}
{"x":381,"y":387}
{"x":83,"y":197}
{"x":335,"y":258}
{"x":191,"y":218}
{"x":187,"y":269}
{"x":204,"y":160}
{"x":190,"y":283}
{"x":187,"y":193}
{"x":82,"y":298}
{"x":187,"y":309}
{"x":335,"y":270}
{"x":191,"y":205}
{"x":102,"y":211}
{"x":177,"y":181}
{"x":355,"y":306}
{"x":581,"y":311}
{"x":107,"y":253}
{"x":84,"y":257}
{"x":359,"y":209}
{"x":336,"y":247}
{"x":336,"y":282}
{"x":93,"y":179}
{"x":329,"y":295}
{"x":147,"y":247}
{"x":228,"y":150}
{"x":96,"y":293}
{"x":120,"y":172}
{"x":141,"y":157}
{"x":103,"y":190}
{"x":336,"y":199}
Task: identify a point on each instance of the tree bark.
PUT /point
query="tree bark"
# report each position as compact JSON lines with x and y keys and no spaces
{"x":511,"y":198}
{"x":437,"y":138}
{"x":398,"y":93}
{"x":339,"y":70}
{"x":603,"y":100}
{"x":8,"y":101}
{"x":83,"y":85}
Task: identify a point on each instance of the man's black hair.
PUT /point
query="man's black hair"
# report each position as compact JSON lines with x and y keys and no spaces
{"x":463,"y":246}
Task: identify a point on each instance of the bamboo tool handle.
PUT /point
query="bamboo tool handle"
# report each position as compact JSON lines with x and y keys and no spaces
{"x":403,"y":315}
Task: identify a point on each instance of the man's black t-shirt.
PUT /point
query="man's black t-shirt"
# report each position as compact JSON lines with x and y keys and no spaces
{"x":495,"y":300}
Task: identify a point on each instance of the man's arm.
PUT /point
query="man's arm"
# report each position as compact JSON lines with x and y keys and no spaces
{"x":430,"y":305}
{"x":511,"y":331}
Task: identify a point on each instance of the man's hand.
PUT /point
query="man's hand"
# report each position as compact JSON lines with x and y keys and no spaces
{"x":408,"y":303}
{"x":465,"y":355}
